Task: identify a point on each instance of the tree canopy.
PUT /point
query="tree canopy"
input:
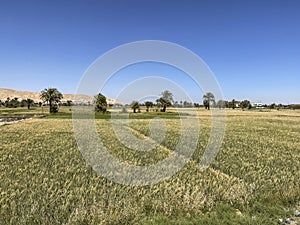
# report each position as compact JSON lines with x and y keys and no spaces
{"x":208,"y":100}
{"x":53,"y":97}
{"x":135,"y":105}
{"x":29,"y":102}
{"x":101,"y":103}
{"x":165,"y":100}
{"x":245,"y":104}
{"x":148,"y":104}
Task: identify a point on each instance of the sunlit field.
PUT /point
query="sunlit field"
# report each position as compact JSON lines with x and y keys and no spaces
{"x":255,"y":178}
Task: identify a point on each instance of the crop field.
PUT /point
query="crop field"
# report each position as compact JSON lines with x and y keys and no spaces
{"x":255,"y":178}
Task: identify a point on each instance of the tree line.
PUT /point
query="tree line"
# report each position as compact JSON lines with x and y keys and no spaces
{"x":209,"y":101}
{"x":53,"y":97}
{"x":15,"y":102}
{"x":165,"y":100}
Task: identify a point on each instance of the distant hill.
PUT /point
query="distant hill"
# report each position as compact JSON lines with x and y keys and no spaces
{"x":35,"y":96}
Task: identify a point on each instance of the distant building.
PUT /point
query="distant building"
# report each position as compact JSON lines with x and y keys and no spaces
{"x":257,"y":105}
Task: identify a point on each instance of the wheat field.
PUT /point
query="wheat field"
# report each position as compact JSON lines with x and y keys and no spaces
{"x":45,"y":179}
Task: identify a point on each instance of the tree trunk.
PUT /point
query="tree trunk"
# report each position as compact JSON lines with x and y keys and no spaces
{"x":50,"y":104}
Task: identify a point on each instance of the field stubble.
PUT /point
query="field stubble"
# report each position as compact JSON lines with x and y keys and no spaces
{"x":45,"y":180}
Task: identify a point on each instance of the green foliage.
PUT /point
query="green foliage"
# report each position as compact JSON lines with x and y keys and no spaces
{"x":224,"y":214}
{"x":208,"y":100}
{"x":12,"y":103}
{"x":53,"y":97}
{"x":295,"y":106}
{"x":232,"y":104}
{"x":245,"y":104}
{"x":206,"y":104}
{"x":69,"y":102}
{"x":29,"y":103}
{"x":148,"y":104}
{"x":135,"y":105}
{"x":101,"y":104}
{"x":165,"y":100}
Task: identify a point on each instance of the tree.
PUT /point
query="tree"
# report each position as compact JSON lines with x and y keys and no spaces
{"x":53,"y":97}
{"x":12,"y":103}
{"x":233,"y":103}
{"x":148,"y":104}
{"x":273,"y":106}
{"x":196,"y":105}
{"x":221,"y":104}
{"x":165,"y":100}
{"x":29,"y":102}
{"x":23,"y":103}
{"x":101,"y":103}
{"x":245,"y":104}
{"x":135,"y":105}
{"x":6,"y":103}
{"x":69,"y":102}
{"x":176,"y":104}
{"x":208,"y":99}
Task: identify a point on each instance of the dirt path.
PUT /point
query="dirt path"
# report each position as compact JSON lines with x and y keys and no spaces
{"x":12,"y":120}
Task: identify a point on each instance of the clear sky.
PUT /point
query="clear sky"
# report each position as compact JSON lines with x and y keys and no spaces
{"x":252,"y":47}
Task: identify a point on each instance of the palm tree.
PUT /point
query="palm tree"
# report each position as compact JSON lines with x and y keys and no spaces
{"x":52,"y":96}
{"x":208,"y":99}
{"x":29,"y":102}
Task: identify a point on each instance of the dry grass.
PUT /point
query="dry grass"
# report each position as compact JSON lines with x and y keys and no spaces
{"x":45,"y":180}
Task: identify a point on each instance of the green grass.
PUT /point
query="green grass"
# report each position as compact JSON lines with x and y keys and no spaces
{"x":226,"y":215}
{"x":45,"y":180}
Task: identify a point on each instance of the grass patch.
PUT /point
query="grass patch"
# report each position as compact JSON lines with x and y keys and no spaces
{"x":225,"y":214}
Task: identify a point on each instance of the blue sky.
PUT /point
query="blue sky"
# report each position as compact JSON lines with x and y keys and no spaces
{"x":252,"y":47}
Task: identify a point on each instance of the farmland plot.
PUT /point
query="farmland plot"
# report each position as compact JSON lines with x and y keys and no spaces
{"x":45,"y":179}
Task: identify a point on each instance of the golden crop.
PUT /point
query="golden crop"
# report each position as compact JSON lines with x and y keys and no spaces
{"x":44,"y":178}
